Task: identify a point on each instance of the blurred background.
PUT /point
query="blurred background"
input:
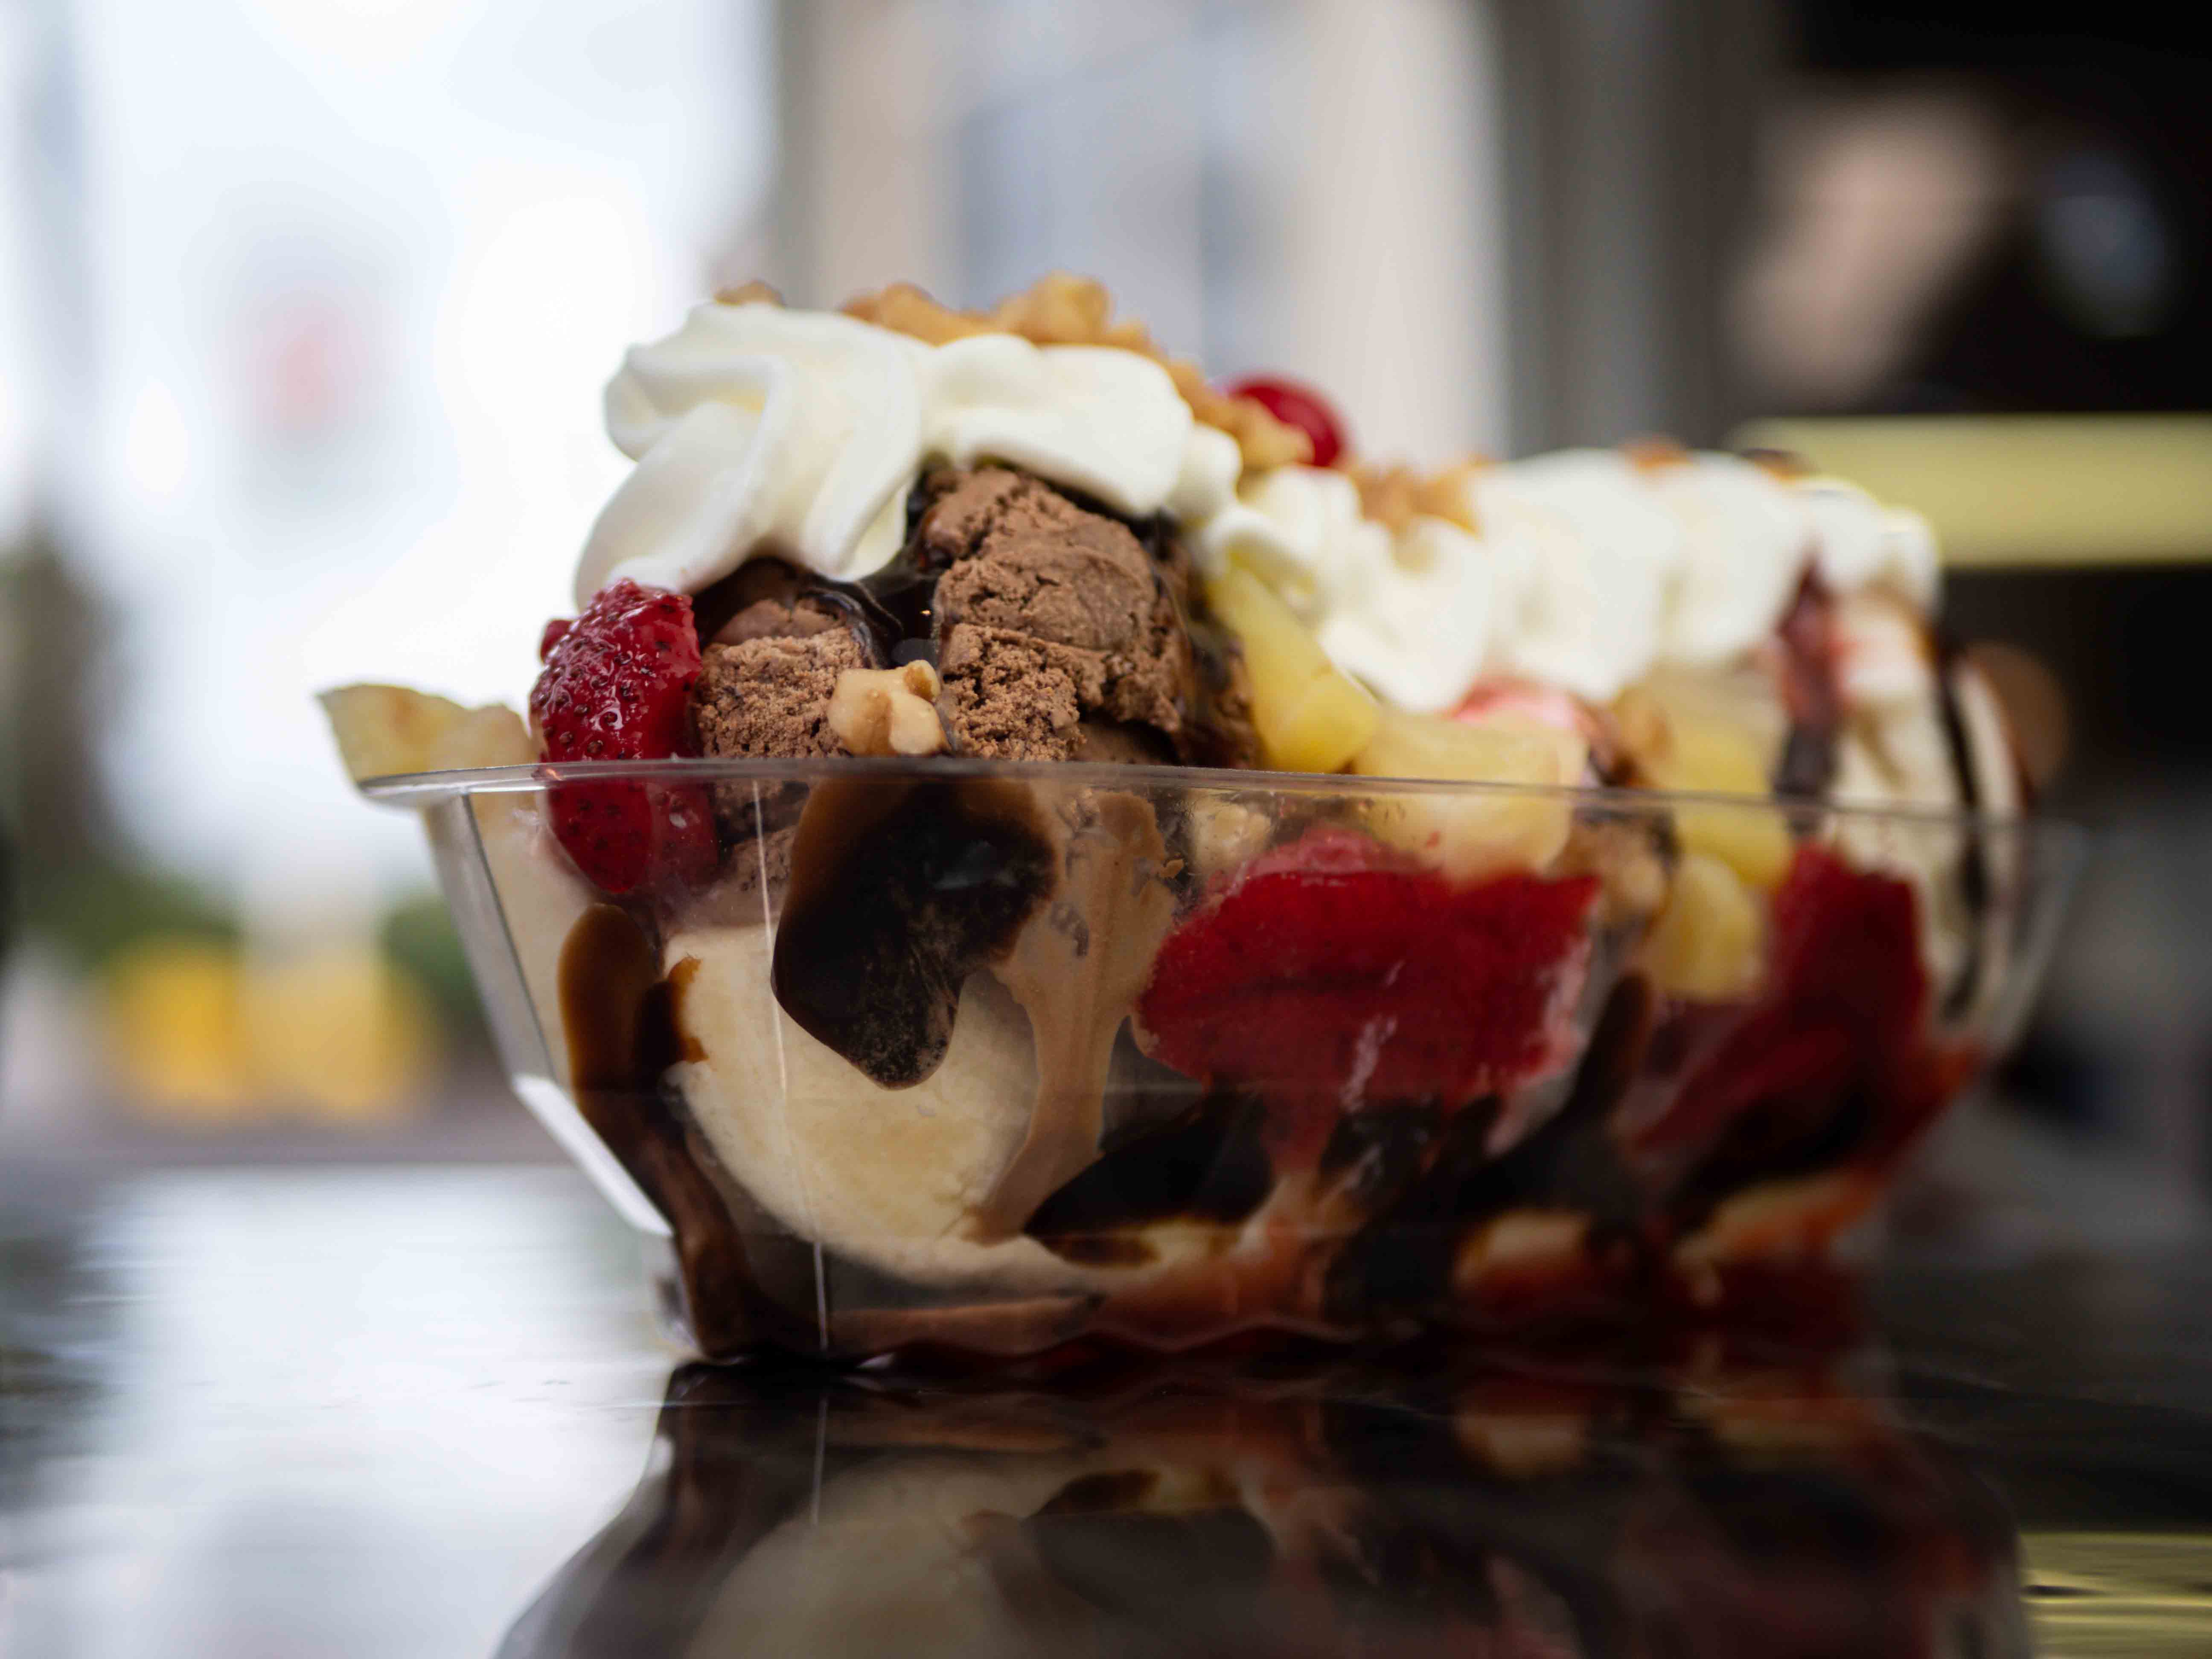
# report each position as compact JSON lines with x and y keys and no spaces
{"x":305,"y":308}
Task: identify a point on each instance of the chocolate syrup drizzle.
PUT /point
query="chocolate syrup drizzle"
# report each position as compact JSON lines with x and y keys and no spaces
{"x":618,"y":1012}
{"x":1810,"y":692}
{"x":899,"y":890}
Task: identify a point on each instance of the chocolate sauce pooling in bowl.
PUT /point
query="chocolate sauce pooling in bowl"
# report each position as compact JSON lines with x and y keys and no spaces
{"x":616,"y":1011}
{"x":900,"y":890}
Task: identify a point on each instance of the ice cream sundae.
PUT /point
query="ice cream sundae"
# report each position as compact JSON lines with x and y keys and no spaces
{"x":1016,"y":844}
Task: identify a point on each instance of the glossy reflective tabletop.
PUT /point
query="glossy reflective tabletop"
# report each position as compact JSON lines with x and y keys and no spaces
{"x":421,"y":1412}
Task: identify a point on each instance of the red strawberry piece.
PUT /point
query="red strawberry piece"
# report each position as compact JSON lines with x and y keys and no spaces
{"x":1299,"y":406}
{"x":1336,"y":972}
{"x":556,"y":631}
{"x":1845,"y":1010}
{"x":615,"y":686}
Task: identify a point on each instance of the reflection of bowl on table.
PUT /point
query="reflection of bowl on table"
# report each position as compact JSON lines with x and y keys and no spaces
{"x":1771,"y":1512}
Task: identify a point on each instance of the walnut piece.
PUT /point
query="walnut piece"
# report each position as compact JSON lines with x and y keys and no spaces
{"x":748,"y":294}
{"x":1060,"y":309}
{"x":1396,"y":496}
{"x":1653,"y":453}
{"x":888,"y":711}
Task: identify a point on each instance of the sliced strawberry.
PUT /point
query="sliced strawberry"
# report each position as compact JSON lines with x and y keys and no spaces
{"x":615,"y":686}
{"x":1844,"y":1013}
{"x":1336,"y":972}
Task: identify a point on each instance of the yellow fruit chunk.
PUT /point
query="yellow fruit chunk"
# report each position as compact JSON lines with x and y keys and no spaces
{"x":1479,"y":833}
{"x":494,"y":735}
{"x":383,"y":730}
{"x":1705,"y":945}
{"x":1751,"y":840}
{"x":1311,"y":716}
{"x":1679,"y":746}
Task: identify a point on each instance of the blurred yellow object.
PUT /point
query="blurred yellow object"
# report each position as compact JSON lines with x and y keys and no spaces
{"x":2141,"y":1593}
{"x":202,"y":1039}
{"x":175,"y":1030}
{"x":2026,"y":489}
{"x":339,"y":1031}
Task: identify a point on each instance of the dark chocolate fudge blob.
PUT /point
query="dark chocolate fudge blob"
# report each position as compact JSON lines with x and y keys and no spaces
{"x":900,"y":890}
{"x":1208,"y":1164}
{"x":614,"y":1007}
{"x":1810,"y":693}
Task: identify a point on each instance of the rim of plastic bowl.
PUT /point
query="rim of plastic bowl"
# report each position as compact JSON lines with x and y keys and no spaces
{"x":421,"y":789}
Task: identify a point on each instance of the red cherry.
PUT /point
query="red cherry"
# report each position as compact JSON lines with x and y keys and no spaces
{"x":1300,"y":406}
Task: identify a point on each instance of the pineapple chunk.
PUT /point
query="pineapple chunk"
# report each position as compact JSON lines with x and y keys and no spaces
{"x":1504,"y":748}
{"x":1473,"y":835}
{"x":1751,"y":840}
{"x":1706,"y":944}
{"x":1682,"y":746}
{"x":383,"y":730}
{"x":1311,"y":716}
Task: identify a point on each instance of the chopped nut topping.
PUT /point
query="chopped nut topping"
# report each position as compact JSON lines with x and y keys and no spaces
{"x":1396,"y":496}
{"x":905,"y":309}
{"x":1061,"y":309}
{"x":1786,"y":465}
{"x":888,"y":711}
{"x":1654,"y":455}
{"x":1066,"y":310}
{"x":746,"y":294}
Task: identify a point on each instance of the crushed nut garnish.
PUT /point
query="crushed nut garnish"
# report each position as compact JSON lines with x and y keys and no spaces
{"x":888,"y":711}
{"x":1654,"y":455}
{"x":748,"y":294}
{"x":1396,"y":496}
{"x":1060,"y":309}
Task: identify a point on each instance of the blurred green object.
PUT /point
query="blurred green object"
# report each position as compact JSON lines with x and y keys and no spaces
{"x":418,"y":937}
{"x":94,"y":909}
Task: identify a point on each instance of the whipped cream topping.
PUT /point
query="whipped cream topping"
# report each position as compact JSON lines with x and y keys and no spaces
{"x":758,"y":429}
{"x":1746,"y":536}
{"x":1587,"y":555}
{"x":1860,"y":543}
{"x":1591,"y":569}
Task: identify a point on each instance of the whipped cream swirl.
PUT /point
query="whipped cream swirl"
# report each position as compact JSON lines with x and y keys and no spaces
{"x":761,"y":430}
{"x":758,"y":430}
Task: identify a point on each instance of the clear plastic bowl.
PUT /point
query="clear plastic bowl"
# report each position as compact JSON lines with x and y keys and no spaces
{"x":996,"y":1057}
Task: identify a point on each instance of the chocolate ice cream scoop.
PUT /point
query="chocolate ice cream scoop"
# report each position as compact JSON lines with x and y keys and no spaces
{"x":1050,"y":615}
{"x":1062,"y":632}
